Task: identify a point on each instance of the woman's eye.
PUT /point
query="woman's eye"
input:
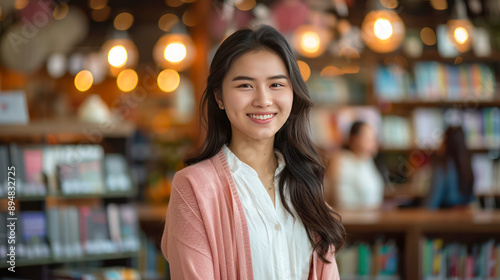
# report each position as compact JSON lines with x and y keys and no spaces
{"x":276,"y":85}
{"x":245,"y":86}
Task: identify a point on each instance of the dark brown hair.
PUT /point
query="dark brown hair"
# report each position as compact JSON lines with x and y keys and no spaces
{"x":456,"y":151}
{"x":304,"y":170}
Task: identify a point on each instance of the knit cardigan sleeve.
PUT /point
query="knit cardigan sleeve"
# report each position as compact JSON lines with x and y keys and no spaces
{"x":184,"y":242}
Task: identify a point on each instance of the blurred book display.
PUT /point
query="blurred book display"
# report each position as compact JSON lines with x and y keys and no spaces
{"x":96,"y":125}
{"x":363,"y":261}
{"x":460,"y":261}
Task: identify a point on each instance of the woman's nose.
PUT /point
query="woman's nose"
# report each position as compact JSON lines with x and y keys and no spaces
{"x":263,"y":97}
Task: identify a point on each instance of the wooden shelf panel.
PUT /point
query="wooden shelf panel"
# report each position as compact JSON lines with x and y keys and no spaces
{"x":425,"y":220}
{"x":458,"y":104}
{"x":68,"y":127}
{"x":101,"y":257}
{"x":132,"y":193}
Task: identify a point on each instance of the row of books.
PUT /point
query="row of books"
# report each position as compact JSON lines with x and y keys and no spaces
{"x":72,"y":232}
{"x":359,"y":260}
{"x":481,"y":127}
{"x":435,"y":81}
{"x":151,"y":263}
{"x":108,"y":273}
{"x":460,"y":261}
{"x":426,"y":126}
{"x":423,"y":130}
{"x":62,"y":169}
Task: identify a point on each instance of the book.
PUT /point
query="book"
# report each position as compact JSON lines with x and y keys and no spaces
{"x":429,"y":128}
{"x":17,"y":160}
{"x":98,"y":236}
{"x":482,"y":166}
{"x":129,"y":227}
{"x":54,"y":232}
{"x":117,"y":173}
{"x":34,"y":234}
{"x":4,"y":164}
{"x":33,"y":166}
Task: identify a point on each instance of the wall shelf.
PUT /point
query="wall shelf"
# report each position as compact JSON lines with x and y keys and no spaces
{"x":68,"y":127}
{"x":88,"y":258}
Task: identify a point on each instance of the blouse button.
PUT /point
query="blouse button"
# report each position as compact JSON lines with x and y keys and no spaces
{"x":277,"y":227}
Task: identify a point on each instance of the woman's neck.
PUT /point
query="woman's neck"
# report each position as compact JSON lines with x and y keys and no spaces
{"x":258,"y":155}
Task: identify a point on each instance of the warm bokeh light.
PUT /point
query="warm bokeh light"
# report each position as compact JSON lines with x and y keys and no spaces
{"x":60,"y":11}
{"x":189,"y":18}
{"x":127,"y":80}
{"x":439,"y":5}
{"x":382,"y":29}
{"x":121,"y":53}
{"x":168,"y":80}
{"x":175,"y":52}
{"x":461,"y":35}
{"x":245,"y":5}
{"x":305,"y":70}
{"x":350,"y":69}
{"x":97,"y":4}
{"x":428,"y":36}
{"x":389,"y":4}
{"x":311,"y":41}
{"x":167,"y":21}
{"x":101,"y":14}
{"x":117,"y":56}
{"x":161,"y":123}
{"x":188,"y":1}
{"x":21,"y":4}
{"x":83,"y":80}
{"x":330,"y":71}
{"x":123,"y":21}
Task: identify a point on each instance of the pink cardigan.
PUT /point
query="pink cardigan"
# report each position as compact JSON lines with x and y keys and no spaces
{"x":206,"y":234}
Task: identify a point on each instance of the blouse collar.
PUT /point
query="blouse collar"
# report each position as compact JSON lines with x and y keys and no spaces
{"x":236,"y":165}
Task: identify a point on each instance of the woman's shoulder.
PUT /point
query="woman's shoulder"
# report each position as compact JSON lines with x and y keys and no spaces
{"x":200,"y":171}
{"x":201,"y":177}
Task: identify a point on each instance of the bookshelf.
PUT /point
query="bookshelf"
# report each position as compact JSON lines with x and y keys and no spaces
{"x":74,"y":183}
{"x":411,"y":227}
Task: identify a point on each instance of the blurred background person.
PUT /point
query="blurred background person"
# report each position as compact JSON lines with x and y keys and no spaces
{"x":354,"y":181}
{"x":453,"y":178}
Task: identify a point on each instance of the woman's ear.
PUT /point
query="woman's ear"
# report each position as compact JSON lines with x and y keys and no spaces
{"x":218,"y":99}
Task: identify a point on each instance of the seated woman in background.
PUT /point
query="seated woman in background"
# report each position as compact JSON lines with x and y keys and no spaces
{"x":355,"y":182}
{"x":452,"y":179}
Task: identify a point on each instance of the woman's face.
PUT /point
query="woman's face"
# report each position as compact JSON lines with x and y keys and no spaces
{"x":256,"y":95}
{"x":366,"y":141}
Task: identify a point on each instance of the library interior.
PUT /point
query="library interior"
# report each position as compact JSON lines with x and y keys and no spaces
{"x":96,"y":121}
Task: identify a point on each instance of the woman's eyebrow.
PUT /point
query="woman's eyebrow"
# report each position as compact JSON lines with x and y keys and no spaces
{"x":239,"y":78}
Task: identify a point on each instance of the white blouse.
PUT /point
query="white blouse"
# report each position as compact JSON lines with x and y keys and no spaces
{"x":279,"y":245}
{"x":361,"y":185}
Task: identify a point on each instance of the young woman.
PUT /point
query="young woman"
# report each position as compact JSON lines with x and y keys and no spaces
{"x":356,"y":182}
{"x":453,"y":178}
{"x":250,"y":203}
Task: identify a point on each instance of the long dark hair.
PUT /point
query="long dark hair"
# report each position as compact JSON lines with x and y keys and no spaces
{"x":304,"y":170}
{"x":455,"y":149}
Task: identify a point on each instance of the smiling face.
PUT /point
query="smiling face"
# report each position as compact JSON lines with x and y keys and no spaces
{"x":257,"y":96}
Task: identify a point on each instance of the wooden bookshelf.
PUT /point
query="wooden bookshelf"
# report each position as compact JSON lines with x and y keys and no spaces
{"x":414,"y":224}
{"x":67,"y":127}
{"x":411,"y":225}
